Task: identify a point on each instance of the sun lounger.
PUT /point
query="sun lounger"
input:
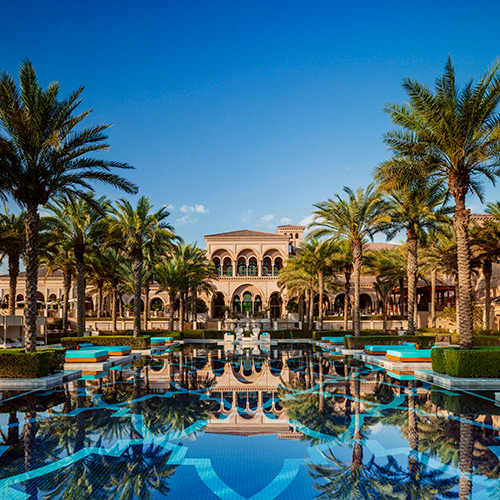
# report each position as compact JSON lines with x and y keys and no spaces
{"x":380,"y":350}
{"x":86,"y":356}
{"x":409,"y":355}
{"x":119,"y":350}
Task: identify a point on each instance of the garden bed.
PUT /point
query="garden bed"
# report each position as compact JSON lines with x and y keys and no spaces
{"x":16,"y":363}
{"x":136,"y":343}
{"x":479,"y":362}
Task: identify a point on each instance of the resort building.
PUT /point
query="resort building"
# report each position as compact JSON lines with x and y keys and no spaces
{"x":248,"y":263}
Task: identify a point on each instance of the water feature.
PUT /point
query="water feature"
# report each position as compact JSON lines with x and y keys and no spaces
{"x":290,"y":423}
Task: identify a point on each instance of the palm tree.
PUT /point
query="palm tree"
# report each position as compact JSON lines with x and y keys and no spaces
{"x":343,"y":263}
{"x":169,"y":275}
{"x":485,"y":246}
{"x":415,"y":208}
{"x":451,"y":136}
{"x":356,"y":218}
{"x":318,"y":258}
{"x":82,"y":223}
{"x":57,"y":254}
{"x":383,"y":289}
{"x":12,"y":245}
{"x":43,"y":155}
{"x":142,"y":231}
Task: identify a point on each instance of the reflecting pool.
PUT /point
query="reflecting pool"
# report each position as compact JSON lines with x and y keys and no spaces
{"x":290,"y":423}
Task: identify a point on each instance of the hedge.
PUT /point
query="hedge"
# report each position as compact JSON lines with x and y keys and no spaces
{"x":479,"y":362}
{"x":16,"y":363}
{"x":423,"y":341}
{"x":465,"y":404}
{"x":108,"y":340}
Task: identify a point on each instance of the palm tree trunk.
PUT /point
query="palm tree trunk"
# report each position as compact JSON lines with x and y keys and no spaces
{"x":384,"y":315}
{"x":412,"y":270}
{"x":31,"y":223}
{"x":412,"y":431}
{"x":301,"y":309}
{"x":171,"y":308}
{"x":181,"y":312}
{"x":466,"y":450}
{"x":356,"y":255}
{"x":13,"y":274}
{"x":30,"y":432}
{"x":461,"y":227}
{"x":113,"y":307}
{"x":67,"y":288}
{"x":308,"y":303}
{"x":146,"y":306}
{"x":433,"y":297}
{"x":321,"y":281}
{"x":137,"y":266}
{"x":194,"y":298}
{"x":347,"y":292}
{"x":311,"y":308}
{"x":401,"y":296}
{"x":99,"y":301}
{"x":80,"y":293}
{"x":487,"y":293}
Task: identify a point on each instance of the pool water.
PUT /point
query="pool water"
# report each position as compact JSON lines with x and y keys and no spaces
{"x":289,"y":424}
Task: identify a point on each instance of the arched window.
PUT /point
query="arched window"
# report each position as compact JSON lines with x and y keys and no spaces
{"x":242,"y":267}
{"x":275,"y":305}
{"x":228,"y":267}
{"x":219,"y":305}
{"x":247,"y":302}
{"x":218,"y":266}
{"x":278,"y":264}
{"x":266,"y":267}
{"x":257,"y":305}
{"x":252,"y":267}
{"x":237,"y":304}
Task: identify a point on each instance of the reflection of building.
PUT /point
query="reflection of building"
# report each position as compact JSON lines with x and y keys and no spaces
{"x":248,"y":263}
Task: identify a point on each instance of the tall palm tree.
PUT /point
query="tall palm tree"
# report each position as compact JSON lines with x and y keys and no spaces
{"x":42,"y":154}
{"x":318,"y":258}
{"x":343,"y":263}
{"x":169,"y":275}
{"x":12,"y":245}
{"x":452,"y":136}
{"x":415,"y":208}
{"x":141,"y":230}
{"x":82,"y":223}
{"x":383,"y":289}
{"x":485,"y":246}
{"x":57,"y":254}
{"x":356,"y":218}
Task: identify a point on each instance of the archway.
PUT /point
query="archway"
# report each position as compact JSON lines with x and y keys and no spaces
{"x":237,"y":304}
{"x":275,"y":305}
{"x":257,"y":304}
{"x":156,"y":304}
{"x":219,"y":305}
{"x":247,"y":302}
{"x":365,"y":303}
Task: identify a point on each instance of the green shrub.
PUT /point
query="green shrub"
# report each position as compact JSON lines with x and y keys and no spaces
{"x":479,"y":362}
{"x":465,"y":404}
{"x":15,"y":363}
{"x":423,"y":341}
{"x":108,"y":340}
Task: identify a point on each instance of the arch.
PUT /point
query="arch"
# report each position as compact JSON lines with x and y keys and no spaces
{"x":247,"y":253}
{"x":247,"y":302}
{"x":257,"y":304}
{"x":218,"y":265}
{"x":252,"y":266}
{"x":365,"y":302}
{"x":40,"y":297}
{"x":222,"y":253}
{"x":275,"y":304}
{"x":157,"y":304}
{"x":266,"y":266}
{"x":236,"y":304}
{"x":20,"y":297}
{"x":242,"y":266}
{"x":273,"y":253}
{"x":277,"y":265}
{"x":219,"y":304}
{"x":227,"y":267}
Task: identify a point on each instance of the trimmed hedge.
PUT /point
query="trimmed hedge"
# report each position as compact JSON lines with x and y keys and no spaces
{"x":480,"y":362}
{"x":465,"y":404}
{"x":108,"y":340}
{"x":15,"y":363}
{"x":423,"y":341}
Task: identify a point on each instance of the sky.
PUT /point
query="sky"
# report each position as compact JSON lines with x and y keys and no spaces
{"x":243,"y":114}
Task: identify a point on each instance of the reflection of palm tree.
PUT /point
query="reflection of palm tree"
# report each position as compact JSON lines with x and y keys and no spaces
{"x":466,"y":453}
{"x":30,"y":431}
{"x":418,"y":482}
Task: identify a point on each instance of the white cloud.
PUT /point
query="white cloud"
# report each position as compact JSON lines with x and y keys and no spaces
{"x":306,"y":220}
{"x":186,"y":219}
{"x":199,"y":209}
{"x":285,"y":220}
{"x":168,"y":207}
{"x":266,"y":219}
{"x":247,"y":214}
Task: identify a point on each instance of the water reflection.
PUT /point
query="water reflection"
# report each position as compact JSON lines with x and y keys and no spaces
{"x":364,"y":434}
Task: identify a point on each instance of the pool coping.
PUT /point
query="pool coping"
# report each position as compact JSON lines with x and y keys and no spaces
{"x":48,"y":382}
{"x":449,"y":382}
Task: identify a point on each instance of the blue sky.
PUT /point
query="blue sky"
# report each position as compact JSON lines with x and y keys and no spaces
{"x":243,"y":114}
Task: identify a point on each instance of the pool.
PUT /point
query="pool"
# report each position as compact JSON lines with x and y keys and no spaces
{"x":290,"y":423}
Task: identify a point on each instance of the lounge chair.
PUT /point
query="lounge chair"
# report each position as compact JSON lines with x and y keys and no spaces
{"x":239,"y":333}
